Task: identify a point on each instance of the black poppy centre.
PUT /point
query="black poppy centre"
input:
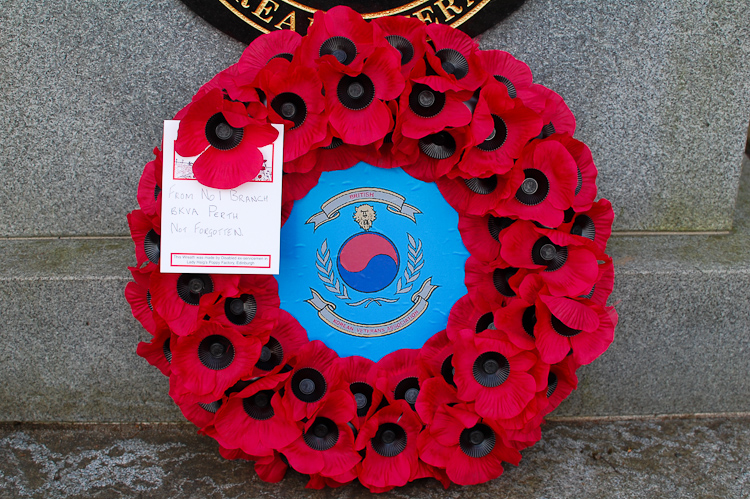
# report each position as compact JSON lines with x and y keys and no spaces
{"x":355,"y":92}
{"x":216,"y":352}
{"x":290,"y":106}
{"x":389,"y":440}
{"x":190,"y":287}
{"x":545,"y":252}
{"x":221,"y":135}
{"x":271,"y":355}
{"x":308,"y":385}
{"x":340,"y":47}
{"x":240,"y":311}
{"x":491,"y":369}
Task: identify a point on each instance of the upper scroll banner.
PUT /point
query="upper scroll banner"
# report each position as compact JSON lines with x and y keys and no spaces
{"x":247,"y":19}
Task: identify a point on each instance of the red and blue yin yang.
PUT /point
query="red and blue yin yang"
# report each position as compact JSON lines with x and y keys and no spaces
{"x":368,"y":262}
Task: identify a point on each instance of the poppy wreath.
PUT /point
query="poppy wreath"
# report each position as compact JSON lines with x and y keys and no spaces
{"x":395,"y":93}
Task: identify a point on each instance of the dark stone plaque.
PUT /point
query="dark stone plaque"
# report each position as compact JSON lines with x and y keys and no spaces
{"x":246,"y":19}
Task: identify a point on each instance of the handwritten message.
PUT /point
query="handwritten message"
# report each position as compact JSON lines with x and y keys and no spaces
{"x":223,"y":231}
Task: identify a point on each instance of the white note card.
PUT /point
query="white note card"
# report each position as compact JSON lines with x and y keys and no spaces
{"x":220,"y":231}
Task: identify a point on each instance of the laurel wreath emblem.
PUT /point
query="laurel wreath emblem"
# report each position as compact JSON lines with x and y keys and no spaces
{"x":327,"y":275}
{"x":414,"y":265}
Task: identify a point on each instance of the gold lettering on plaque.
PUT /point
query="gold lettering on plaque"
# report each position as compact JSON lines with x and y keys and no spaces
{"x":424,"y":15}
{"x":289,"y":21}
{"x":264,"y":9}
{"x":447,"y":8}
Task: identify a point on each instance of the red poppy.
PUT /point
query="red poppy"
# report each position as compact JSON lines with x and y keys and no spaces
{"x":466,"y":315}
{"x":232,"y":454}
{"x":226,"y":138}
{"x":527,"y":436}
{"x":358,"y":373}
{"x":331,"y":154}
{"x":424,"y":110}
{"x":506,"y":69}
{"x":176,"y":297}
{"x":390,"y":153}
{"x":398,"y":375}
{"x":281,"y":44}
{"x":201,"y":414}
{"x":425,"y":470}
{"x":438,"y":153}
{"x":139,"y":297}
{"x":326,"y":446}
{"x":565,"y":324}
{"x":479,"y":196}
{"x":523,"y":327}
{"x":434,"y":358}
{"x":518,"y":319}
{"x":594,"y":224}
{"x":284,"y":342}
{"x":337,"y":155}
{"x":293,"y":93}
{"x":389,"y":439}
{"x":605,"y":283}
{"x":314,"y":377}
{"x":408,"y":35}
{"x":297,"y":185}
{"x":556,"y":115}
{"x":454,"y":60}
{"x":435,"y":393}
{"x":502,"y":127}
{"x":470,"y":448}
{"x":491,"y":285}
{"x":146,"y":237}
{"x":319,"y":482}
{"x":217,"y":82}
{"x":482,"y":234}
{"x":548,"y":187}
{"x":158,"y":352}
{"x":252,"y":310}
{"x":254,"y":419}
{"x":494,"y":373}
{"x":585,"y":191}
{"x":149,"y":190}
{"x":342,"y":39}
{"x":540,"y":372}
{"x":355,"y":102}
{"x":270,"y":469}
{"x":212,"y":359}
{"x":567,"y":262}
{"x":561,"y":382}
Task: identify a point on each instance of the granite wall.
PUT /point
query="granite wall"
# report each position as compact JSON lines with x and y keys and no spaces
{"x":661,"y":91}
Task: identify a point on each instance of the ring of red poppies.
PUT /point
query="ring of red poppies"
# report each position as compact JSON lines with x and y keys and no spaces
{"x":392,"y":92}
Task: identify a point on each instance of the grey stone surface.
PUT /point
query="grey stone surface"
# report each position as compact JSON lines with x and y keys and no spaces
{"x":68,"y":350}
{"x":661,"y":92}
{"x":683,"y":341}
{"x":84,"y":89}
{"x":68,"y":340}
{"x":665,"y":459}
{"x":67,"y":337}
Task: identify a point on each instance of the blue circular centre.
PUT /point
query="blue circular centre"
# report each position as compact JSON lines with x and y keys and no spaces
{"x":371,"y":261}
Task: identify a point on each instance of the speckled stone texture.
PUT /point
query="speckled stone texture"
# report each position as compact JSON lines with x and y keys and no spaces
{"x":84,"y":89}
{"x":67,"y":338}
{"x":661,"y":93}
{"x":68,"y":341}
{"x":664,"y":459}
